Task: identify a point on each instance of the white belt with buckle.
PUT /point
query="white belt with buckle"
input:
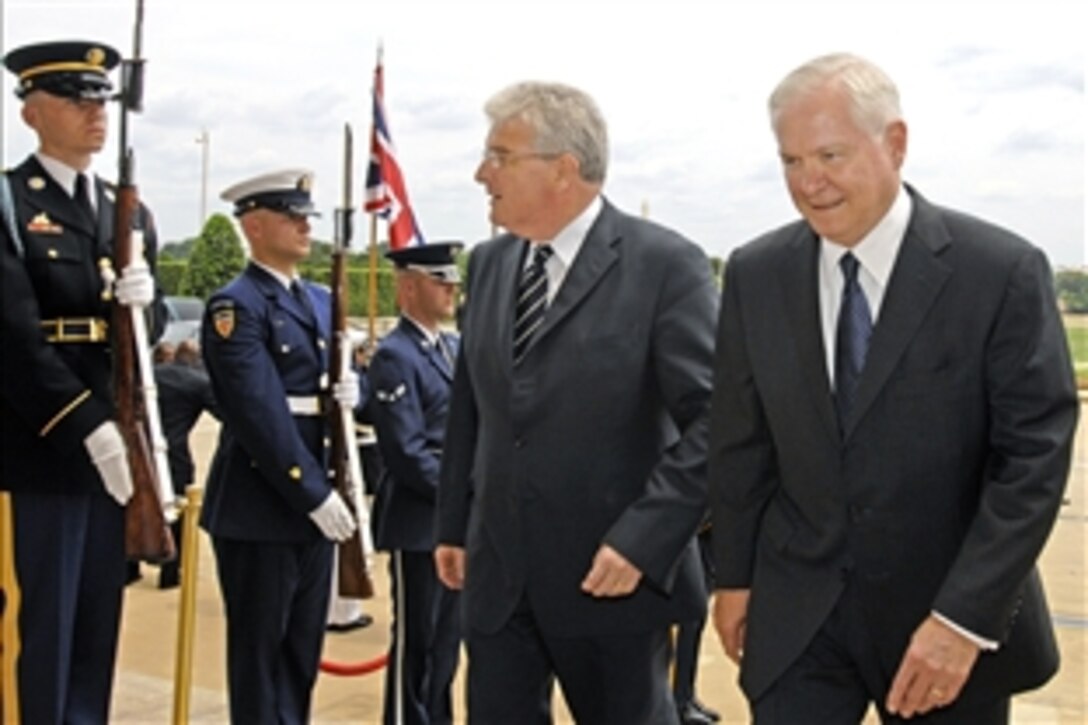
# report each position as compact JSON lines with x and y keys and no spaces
{"x":304,"y":404}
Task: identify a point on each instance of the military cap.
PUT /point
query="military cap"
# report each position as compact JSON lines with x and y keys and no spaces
{"x":435,"y":259}
{"x":287,"y":192}
{"x":70,"y":69}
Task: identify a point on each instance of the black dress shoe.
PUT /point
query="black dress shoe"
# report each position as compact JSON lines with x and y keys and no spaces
{"x":363,"y":620}
{"x":692,"y":713}
{"x":132,"y":572}
{"x":169,"y":575}
{"x":712,"y":714}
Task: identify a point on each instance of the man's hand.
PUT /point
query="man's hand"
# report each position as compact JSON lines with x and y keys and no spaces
{"x":106,"y":448}
{"x":346,"y":390}
{"x":731,"y":620}
{"x":933,"y":671}
{"x":450,"y":564}
{"x":136,"y":288}
{"x":611,"y":574}
{"x":334,"y":518}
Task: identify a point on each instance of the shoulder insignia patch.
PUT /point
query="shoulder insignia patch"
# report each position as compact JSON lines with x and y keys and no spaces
{"x":391,"y":396}
{"x":223,"y":318}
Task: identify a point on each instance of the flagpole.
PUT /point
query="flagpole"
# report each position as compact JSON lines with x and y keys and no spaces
{"x":372,"y":275}
{"x":372,"y":284}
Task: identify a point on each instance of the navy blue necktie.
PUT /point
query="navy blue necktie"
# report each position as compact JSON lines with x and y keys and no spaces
{"x":532,"y":300}
{"x":303,"y":298}
{"x":852,"y":335}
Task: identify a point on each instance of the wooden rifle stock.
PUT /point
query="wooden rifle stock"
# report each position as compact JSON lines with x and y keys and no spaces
{"x":353,"y":575}
{"x":147,"y":535}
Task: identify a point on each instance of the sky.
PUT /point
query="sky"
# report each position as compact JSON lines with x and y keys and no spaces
{"x":993,"y":94}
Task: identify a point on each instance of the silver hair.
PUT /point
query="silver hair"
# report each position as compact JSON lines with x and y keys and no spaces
{"x":874,"y":99}
{"x":564,"y":119}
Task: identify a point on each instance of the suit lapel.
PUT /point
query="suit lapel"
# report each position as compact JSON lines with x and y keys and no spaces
{"x":594,"y":259}
{"x":800,"y":288}
{"x":47,"y":194}
{"x":511,"y":257}
{"x":275,"y":291}
{"x":916,"y":281}
{"x":431,"y":352}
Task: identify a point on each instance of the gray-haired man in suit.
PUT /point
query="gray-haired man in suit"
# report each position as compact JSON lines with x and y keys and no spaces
{"x":573,"y":475}
{"x":891,"y":432}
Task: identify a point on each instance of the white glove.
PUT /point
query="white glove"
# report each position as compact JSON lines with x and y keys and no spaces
{"x":334,"y":518}
{"x":346,"y":391}
{"x":106,"y":448}
{"x":135,"y":288}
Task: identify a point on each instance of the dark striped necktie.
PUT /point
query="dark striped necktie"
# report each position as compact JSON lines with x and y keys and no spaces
{"x":532,"y":300}
{"x":852,"y":335}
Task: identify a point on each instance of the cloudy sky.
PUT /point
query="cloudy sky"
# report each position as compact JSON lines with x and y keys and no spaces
{"x":994,"y":95}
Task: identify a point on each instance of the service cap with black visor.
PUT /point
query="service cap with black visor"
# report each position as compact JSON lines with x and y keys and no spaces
{"x":73,"y":69}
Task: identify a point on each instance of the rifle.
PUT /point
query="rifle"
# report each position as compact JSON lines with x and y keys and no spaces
{"x":354,"y":580}
{"x":147,"y":534}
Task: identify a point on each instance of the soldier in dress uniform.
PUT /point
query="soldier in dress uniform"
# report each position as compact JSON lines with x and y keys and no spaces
{"x":270,"y":507}
{"x":63,"y":459}
{"x":410,"y":378}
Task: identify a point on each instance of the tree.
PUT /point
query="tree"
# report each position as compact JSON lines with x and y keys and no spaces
{"x":217,"y":257}
{"x":1072,"y":288}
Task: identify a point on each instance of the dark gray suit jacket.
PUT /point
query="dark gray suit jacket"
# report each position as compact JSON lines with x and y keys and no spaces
{"x":597,"y":436}
{"x":945,"y":485}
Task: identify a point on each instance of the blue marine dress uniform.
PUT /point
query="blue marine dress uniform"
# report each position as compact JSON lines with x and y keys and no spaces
{"x":266,"y":351}
{"x":55,"y":376}
{"x":410,"y":377}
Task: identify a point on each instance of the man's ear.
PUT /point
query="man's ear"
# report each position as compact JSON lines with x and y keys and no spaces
{"x":895,"y":136}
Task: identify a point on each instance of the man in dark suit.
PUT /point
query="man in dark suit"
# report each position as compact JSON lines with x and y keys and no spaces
{"x":270,"y":507}
{"x":63,"y":459}
{"x":891,"y":432}
{"x":573,"y":477}
{"x":185,"y":393}
{"x":410,"y":377}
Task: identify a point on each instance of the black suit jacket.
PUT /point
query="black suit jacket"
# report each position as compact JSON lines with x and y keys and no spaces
{"x":944,"y":486}
{"x":184,"y":393}
{"x":598,"y":436}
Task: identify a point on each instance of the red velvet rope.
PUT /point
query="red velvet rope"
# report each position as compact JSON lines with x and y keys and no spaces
{"x":353,"y":669}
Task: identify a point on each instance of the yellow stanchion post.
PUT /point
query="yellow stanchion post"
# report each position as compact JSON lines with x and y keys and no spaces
{"x":9,"y":615}
{"x":190,"y":556}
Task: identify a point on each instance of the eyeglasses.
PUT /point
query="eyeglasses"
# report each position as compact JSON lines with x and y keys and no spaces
{"x":498,"y":158}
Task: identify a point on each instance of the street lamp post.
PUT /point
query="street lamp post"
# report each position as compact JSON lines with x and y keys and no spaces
{"x":205,"y":141}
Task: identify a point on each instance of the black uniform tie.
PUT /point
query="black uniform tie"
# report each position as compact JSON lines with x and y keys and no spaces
{"x":532,"y":300}
{"x":82,"y":196}
{"x":855,"y":326}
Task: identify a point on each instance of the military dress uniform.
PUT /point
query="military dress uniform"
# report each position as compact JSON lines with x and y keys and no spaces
{"x":410,"y":378}
{"x":67,"y":533}
{"x":266,"y":351}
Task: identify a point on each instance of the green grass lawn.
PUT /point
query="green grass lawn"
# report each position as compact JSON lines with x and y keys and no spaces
{"x":1076,"y":329}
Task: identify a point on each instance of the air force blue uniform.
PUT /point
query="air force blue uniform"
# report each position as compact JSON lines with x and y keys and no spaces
{"x":410,"y":378}
{"x":266,"y":351}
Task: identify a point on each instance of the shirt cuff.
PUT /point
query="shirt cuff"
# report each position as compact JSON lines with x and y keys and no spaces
{"x":986,"y":645}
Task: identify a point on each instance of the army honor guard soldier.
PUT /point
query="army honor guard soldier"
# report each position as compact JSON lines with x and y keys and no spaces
{"x":63,"y":460}
{"x":270,"y":508}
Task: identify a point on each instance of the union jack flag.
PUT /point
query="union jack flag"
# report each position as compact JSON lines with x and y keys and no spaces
{"x":386,"y":192}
